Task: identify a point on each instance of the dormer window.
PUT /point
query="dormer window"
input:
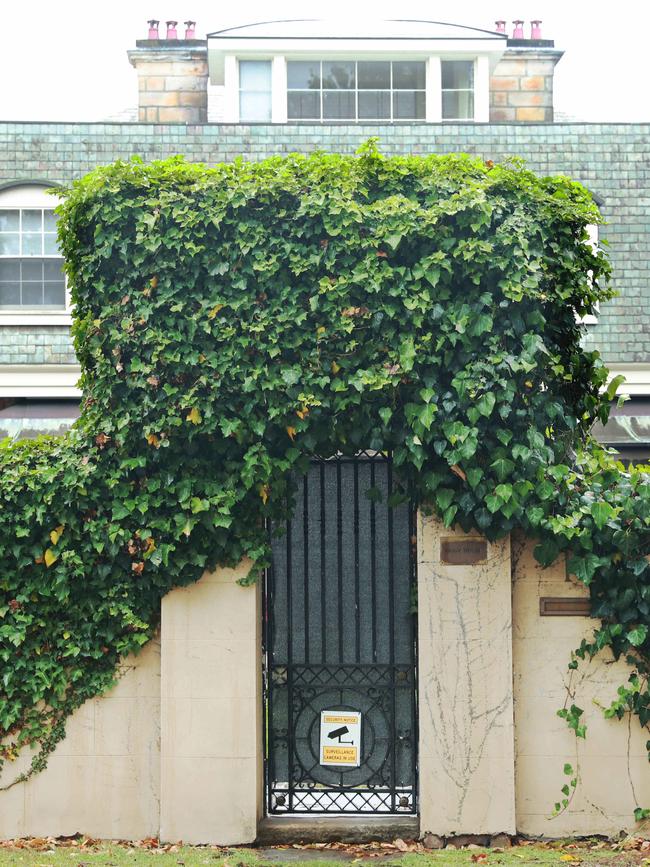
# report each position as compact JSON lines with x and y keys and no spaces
{"x":363,"y":90}
{"x":457,"y":89}
{"x":310,"y":71}
{"x":255,"y":90}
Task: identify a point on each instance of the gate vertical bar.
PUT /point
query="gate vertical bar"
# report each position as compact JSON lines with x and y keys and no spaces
{"x":339,"y":556}
{"x":305,"y":530}
{"x":289,"y":664}
{"x":357,"y":588}
{"x":391,"y":626}
{"x":373,"y":565}
{"x":323,"y":594}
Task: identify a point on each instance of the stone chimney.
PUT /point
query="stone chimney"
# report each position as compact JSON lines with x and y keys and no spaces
{"x":172,"y":76}
{"x":521,"y":86}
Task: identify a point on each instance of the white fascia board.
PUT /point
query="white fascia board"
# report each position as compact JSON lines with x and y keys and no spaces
{"x":637,"y":378}
{"x":348,"y":49}
{"x":56,"y":318}
{"x":39,"y":380}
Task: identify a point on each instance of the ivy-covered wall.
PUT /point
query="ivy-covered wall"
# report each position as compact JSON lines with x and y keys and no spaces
{"x":612,"y":160}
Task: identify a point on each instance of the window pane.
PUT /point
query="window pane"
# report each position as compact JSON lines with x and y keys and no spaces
{"x":458,"y":105}
{"x":374,"y":75}
{"x":338,"y":105}
{"x":254,"y":106}
{"x":50,"y":245}
{"x":409,"y":75}
{"x":255,"y":75}
{"x":303,"y":105}
{"x":54,"y":294}
{"x":53,"y":269}
{"x":10,"y":244}
{"x":457,"y":74}
{"x":32,"y":270}
{"x":32,"y":244}
{"x":9,"y":221}
{"x":9,"y":269}
{"x":338,"y":75}
{"x":9,"y":294}
{"x":303,"y":74}
{"x":408,"y":106}
{"x":32,"y":221}
{"x":51,"y":219}
{"x":32,"y":294}
{"x":374,"y":104}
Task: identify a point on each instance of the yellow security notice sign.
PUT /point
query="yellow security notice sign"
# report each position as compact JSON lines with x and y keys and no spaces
{"x":340,"y":738}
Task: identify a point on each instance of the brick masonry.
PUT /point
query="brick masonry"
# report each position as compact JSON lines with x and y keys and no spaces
{"x":521,"y":86}
{"x":612,"y":160}
{"x":172,"y":80}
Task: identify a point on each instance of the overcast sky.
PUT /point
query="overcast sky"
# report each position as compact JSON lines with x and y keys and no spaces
{"x":66,"y":60}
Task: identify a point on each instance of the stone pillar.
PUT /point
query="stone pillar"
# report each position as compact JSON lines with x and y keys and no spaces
{"x":521,"y":86}
{"x":465,"y":691}
{"x":211,"y":711}
{"x":172,"y":80}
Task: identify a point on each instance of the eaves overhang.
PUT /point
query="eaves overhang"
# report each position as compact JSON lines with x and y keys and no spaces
{"x":307,"y":38}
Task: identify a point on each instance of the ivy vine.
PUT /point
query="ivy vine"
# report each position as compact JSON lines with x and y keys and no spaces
{"x":233,"y":321}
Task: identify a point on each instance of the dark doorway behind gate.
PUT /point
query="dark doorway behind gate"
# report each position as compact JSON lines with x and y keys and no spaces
{"x":341,"y":725}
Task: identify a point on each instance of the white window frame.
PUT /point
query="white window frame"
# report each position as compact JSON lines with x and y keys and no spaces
{"x":432,"y":89}
{"x":356,"y":90}
{"x":33,"y":196}
{"x":592,"y":241}
{"x":473,"y":89}
{"x":241,"y":90}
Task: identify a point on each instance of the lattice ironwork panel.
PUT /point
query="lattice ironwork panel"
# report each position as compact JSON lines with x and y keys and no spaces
{"x":340,"y":637}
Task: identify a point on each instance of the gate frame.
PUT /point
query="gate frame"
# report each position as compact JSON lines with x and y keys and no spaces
{"x":393,"y":822}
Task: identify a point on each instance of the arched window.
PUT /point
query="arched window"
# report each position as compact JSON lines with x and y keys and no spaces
{"x":32,"y":282}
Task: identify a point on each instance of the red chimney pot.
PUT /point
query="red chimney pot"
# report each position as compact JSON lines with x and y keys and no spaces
{"x":501,"y":26}
{"x":518,"y":32}
{"x":535,"y":29}
{"x":190,"y":31}
{"x":171,"y":29}
{"x":153,"y":28}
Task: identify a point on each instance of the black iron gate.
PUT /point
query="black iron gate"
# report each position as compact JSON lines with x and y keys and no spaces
{"x":340,"y":637}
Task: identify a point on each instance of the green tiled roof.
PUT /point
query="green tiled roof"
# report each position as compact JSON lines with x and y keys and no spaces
{"x":612,"y":160}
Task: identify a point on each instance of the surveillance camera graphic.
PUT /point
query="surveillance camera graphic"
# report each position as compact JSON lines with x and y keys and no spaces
{"x":337,"y":734}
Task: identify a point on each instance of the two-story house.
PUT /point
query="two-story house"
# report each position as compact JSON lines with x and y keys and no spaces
{"x":457,"y":728}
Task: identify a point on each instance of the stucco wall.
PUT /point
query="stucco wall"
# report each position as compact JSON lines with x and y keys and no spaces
{"x":466,"y":760}
{"x":612,"y":761}
{"x":176,"y":748}
{"x":104,"y":778}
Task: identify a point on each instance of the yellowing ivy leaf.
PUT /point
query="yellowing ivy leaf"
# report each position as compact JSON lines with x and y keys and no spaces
{"x":55,"y":535}
{"x":194,"y":416}
{"x":264,"y":493}
{"x":215,"y":310}
{"x":291,"y":431}
{"x":335,"y":367}
{"x":50,"y":557}
{"x":153,"y":440}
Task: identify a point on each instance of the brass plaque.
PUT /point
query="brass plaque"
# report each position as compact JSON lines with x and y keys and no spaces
{"x":565,"y":606}
{"x":463,"y":552}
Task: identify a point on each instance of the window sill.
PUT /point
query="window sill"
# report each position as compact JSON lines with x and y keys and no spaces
{"x":35,"y":317}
